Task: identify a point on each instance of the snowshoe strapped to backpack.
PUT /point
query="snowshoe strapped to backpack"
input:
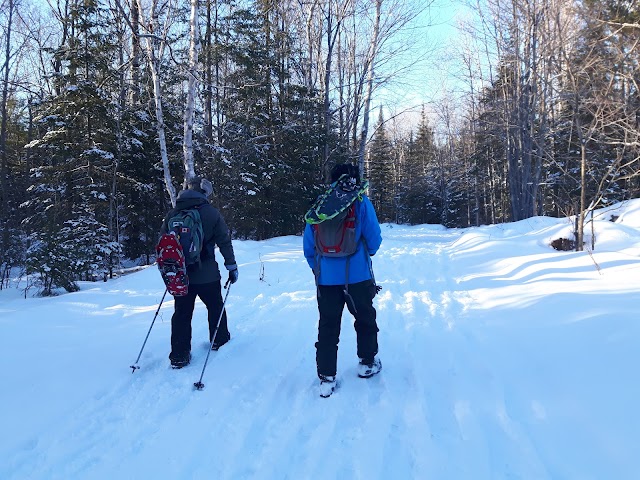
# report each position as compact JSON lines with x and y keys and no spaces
{"x":172,"y":265}
{"x":333,"y":218}
{"x":180,"y":247}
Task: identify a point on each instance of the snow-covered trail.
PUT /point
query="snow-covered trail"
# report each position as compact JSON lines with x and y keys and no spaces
{"x":477,"y":380}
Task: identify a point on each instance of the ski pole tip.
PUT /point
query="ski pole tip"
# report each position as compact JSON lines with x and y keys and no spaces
{"x":134,"y":368}
{"x":199,"y":385}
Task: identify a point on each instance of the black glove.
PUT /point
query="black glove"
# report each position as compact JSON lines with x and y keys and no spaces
{"x":233,"y":273}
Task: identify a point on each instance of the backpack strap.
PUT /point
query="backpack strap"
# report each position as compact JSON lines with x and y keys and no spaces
{"x":351,"y":217}
{"x":203,"y":249}
{"x":346,"y":286}
{"x":205,"y":245}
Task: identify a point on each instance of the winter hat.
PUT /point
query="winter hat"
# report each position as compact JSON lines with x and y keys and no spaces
{"x":201,"y":185}
{"x":353,"y":171}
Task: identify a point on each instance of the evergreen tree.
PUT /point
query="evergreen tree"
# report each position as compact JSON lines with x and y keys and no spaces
{"x":419,"y":195}
{"x":381,"y":174}
{"x":246,"y":142}
{"x":12,"y":190}
{"x":269,"y":148}
{"x":76,"y":150}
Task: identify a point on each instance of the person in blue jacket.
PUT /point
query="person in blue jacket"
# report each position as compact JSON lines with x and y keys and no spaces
{"x":357,"y":291}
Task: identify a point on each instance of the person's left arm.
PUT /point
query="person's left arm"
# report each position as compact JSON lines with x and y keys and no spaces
{"x":370,"y":226}
{"x":222,"y":238}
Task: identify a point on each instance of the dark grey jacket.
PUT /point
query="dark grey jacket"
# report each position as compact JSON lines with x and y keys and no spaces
{"x":216,"y":233}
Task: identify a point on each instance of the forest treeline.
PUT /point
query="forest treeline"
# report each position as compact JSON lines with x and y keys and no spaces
{"x":108,"y":105}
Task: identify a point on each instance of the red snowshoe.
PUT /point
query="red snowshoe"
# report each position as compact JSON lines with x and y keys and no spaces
{"x":172,"y":265}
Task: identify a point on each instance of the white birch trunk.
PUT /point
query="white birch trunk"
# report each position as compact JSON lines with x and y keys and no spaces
{"x":310,"y":43}
{"x":187,"y":144}
{"x":151,"y":44}
{"x":157,"y":97}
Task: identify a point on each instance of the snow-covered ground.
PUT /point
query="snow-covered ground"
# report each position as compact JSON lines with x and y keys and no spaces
{"x":502,"y":359}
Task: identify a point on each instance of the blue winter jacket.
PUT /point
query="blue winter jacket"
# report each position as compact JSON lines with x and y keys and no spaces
{"x":333,"y":269}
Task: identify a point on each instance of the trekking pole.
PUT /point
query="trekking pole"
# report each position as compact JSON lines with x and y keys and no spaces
{"x":199,"y":385}
{"x":135,"y":366}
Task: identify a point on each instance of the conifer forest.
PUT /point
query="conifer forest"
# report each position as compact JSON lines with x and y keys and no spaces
{"x":108,"y":106}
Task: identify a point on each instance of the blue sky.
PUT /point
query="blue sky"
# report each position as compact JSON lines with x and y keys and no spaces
{"x":435,"y":37}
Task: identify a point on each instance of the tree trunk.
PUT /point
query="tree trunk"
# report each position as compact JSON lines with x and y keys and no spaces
{"x":208,"y":79}
{"x":114,"y":229}
{"x":327,"y":100}
{"x":583,"y":197}
{"x":187,"y":143}
{"x":157,"y":97}
{"x":3,"y":137}
{"x":135,"y":54}
{"x":373,"y":49}
{"x":151,"y":45}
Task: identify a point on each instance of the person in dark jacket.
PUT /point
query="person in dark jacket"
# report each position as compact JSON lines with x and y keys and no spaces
{"x":358,"y":295}
{"x":204,"y":277}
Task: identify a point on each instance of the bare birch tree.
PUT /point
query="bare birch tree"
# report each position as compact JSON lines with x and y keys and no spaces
{"x":192,"y":84}
{"x":154,"y":36}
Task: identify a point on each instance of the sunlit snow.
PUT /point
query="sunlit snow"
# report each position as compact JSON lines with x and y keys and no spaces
{"x":502,"y":359}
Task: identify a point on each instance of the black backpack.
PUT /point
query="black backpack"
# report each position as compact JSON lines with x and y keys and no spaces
{"x":187,"y":225}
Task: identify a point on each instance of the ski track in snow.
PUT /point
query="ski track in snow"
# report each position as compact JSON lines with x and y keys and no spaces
{"x":445,"y":406}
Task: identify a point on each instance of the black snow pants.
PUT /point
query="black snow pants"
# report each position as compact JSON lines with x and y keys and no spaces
{"x":331,"y":301}
{"x":211,"y":296}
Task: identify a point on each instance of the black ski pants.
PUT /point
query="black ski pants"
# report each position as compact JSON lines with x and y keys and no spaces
{"x":211,"y":296}
{"x":331,"y":301}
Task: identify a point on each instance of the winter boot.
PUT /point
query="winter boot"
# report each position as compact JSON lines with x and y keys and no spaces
{"x":219,"y":342}
{"x":327,"y":385}
{"x":180,"y":360}
{"x":369,"y":369}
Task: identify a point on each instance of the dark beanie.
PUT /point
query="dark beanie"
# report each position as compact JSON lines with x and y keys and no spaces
{"x":353,"y":171}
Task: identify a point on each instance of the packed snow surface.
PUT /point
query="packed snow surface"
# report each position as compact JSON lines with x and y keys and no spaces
{"x":502,"y":359}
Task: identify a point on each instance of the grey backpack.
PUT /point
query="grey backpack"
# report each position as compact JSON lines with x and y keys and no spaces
{"x":336,"y":237}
